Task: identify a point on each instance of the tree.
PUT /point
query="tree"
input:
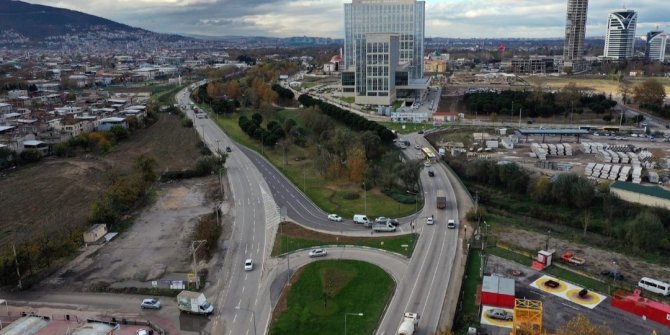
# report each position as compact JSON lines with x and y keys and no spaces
{"x":540,"y":189}
{"x":650,"y":92}
{"x":580,"y":325}
{"x":357,"y":164}
{"x":645,"y":232}
{"x":372,"y":144}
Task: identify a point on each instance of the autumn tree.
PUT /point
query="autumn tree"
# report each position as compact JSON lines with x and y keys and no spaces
{"x":580,"y":325}
{"x":650,"y":92}
{"x":232,"y":90}
{"x":356,"y":164}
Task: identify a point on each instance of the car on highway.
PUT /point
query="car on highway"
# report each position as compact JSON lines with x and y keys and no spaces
{"x":417,"y":147}
{"x":430,"y":220}
{"x":431,"y":173}
{"x":616,"y":275}
{"x":426,"y":163}
{"x":420,"y":131}
{"x":451,"y":224}
{"x":248,"y":265}
{"x":317,"y":252}
{"x":499,"y":314}
{"x":394,"y":222}
{"x":151,"y":303}
{"x":334,"y":217}
{"x":228,"y":149}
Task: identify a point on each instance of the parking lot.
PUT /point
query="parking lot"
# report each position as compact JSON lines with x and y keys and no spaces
{"x":558,"y":311}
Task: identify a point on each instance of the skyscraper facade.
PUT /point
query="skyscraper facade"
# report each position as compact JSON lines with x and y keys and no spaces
{"x":655,"y":46}
{"x":397,"y":28}
{"x":620,"y":38}
{"x":575,"y":31}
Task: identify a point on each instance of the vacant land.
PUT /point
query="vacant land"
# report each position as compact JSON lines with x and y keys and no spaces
{"x":605,"y":84}
{"x":325,"y":290}
{"x":293,"y":237}
{"x":57,"y":193}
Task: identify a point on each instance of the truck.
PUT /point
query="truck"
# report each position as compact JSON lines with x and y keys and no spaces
{"x":441,"y":199}
{"x":569,"y":257}
{"x":409,"y":323}
{"x":193,"y":303}
{"x":383,"y":227}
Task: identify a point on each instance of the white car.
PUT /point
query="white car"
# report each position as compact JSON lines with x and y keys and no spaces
{"x":151,"y":303}
{"x":334,"y":217}
{"x":429,"y":220}
{"x":248,"y":265}
{"x":318,"y":252}
{"x":451,"y":224}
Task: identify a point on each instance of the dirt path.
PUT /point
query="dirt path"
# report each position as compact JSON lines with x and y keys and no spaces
{"x":597,"y":260}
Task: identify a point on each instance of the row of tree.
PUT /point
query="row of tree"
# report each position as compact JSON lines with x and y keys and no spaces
{"x":537,"y":104}
{"x":352,"y":120}
{"x":283,"y":92}
{"x":253,"y":127}
{"x":570,"y":200}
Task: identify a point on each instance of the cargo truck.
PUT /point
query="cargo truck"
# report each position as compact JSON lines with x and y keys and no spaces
{"x":193,"y":303}
{"x":409,"y":323}
{"x":441,"y":200}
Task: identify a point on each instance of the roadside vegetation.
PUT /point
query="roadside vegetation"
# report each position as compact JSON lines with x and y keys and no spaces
{"x":322,"y":292}
{"x":468,"y":310}
{"x":508,"y":190}
{"x":293,"y":237}
{"x":339,"y":159}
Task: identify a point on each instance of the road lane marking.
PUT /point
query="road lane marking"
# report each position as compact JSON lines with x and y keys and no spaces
{"x":235,"y":318}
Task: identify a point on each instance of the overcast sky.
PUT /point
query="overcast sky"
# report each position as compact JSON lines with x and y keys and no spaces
{"x":284,"y":18}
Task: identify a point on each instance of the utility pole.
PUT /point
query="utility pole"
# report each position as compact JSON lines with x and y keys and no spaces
{"x":194,"y":247}
{"x":519,"y":117}
{"x":16,"y":260}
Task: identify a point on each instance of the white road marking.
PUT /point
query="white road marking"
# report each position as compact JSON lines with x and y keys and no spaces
{"x":235,"y":318}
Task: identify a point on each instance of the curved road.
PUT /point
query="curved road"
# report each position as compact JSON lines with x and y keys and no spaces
{"x":248,"y":295}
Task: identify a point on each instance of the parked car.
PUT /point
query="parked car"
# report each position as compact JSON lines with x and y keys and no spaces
{"x":317,"y":252}
{"x":334,"y":217}
{"x":451,"y":224}
{"x":151,"y":303}
{"x":430,"y":220}
{"x":394,"y":222}
{"x":248,"y":265}
{"x":552,"y":284}
{"x":499,"y":314}
{"x":616,"y":275}
{"x":583,"y":293}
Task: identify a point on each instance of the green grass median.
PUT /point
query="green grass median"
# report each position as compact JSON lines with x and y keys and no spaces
{"x":323,"y":292}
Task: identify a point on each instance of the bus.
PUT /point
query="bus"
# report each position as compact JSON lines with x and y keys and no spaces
{"x":429,"y":153}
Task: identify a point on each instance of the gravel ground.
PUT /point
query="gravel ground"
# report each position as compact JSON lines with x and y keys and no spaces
{"x":156,"y":244}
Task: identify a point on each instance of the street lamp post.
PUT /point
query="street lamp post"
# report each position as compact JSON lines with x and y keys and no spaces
{"x":253,"y":315}
{"x":365,"y":199}
{"x":345,"y":320}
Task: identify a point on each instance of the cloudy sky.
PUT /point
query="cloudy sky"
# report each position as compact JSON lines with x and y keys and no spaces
{"x":283,"y":18}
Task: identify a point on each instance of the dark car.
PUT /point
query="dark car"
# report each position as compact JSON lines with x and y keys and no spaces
{"x":552,"y":284}
{"x":616,"y":275}
{"x":228,"y":149}
{"x":431,"y":173}
{"x":583,"y":293}
{"x":420,"y":131}
{"x":394,"y":222}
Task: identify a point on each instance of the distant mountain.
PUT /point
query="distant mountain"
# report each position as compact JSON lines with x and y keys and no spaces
{"x":38,"y":22}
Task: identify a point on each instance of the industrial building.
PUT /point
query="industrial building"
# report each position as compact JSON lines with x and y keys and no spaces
{"x":620,"y":38}
{"x":655,"y":46}
{"x":383,"y":51}
{"x":575,"y":30}
{"x":654,"y":196}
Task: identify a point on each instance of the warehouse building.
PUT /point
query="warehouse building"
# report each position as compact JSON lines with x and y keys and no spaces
{"x":655,"y":196}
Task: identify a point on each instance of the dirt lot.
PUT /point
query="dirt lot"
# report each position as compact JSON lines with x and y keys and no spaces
{"x":157,"y":243}
{"x":57,"y":192}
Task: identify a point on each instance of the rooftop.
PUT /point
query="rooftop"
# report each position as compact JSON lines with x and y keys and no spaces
{"x":547,"y":131}
{"x":650,"y":190}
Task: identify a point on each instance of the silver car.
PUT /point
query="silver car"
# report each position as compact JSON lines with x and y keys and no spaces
{"x":151,"y":303}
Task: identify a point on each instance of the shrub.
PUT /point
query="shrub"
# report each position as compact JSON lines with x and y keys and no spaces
{"x":402,"y":198}
{"x":30,"y":156}
{"x":351,"y":196}
{"x":188,"y":123}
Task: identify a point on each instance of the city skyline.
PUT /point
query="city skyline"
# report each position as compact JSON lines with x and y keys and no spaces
{"x":458,"y":19}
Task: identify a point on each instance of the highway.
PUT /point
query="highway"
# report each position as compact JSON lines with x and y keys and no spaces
{"x":247,"y":297}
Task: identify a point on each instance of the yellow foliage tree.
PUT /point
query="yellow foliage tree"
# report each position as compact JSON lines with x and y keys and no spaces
{"x":335,"y":168}
{"x":232,"y":90}
{"x":580,"y":325}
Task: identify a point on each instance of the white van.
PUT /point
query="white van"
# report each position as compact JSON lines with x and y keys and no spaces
{"x":360,"y":218}
{"x":654,"y":285}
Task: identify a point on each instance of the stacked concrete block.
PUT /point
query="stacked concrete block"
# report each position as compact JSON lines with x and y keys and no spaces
{"x":605,"y":172}
{"x":637,"y":174}
{"x":603,"y":156}
{"x":613,"y":155}
{"x":597,"y":169}
{"x":653,"y":177}
{"x":568,"y":149}
{"x":539,"y":151}
{"x":625,"y":173}
{"x":614,"y":173}
{"x":623,"y":158}
{"x":588,"y":170}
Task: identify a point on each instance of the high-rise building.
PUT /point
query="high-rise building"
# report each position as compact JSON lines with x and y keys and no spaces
{"x":383,"y":50}
{"x":620,"y":38}
{"x":655,"y":47}
{"x":575,"y":30}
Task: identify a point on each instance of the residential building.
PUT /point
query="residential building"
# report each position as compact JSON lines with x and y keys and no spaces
{"x":107,"y":123}
{"x":383,"y":50}
{"x":655,"y":46}
{"x":620,"y":38}
{"x":575,"y":30}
